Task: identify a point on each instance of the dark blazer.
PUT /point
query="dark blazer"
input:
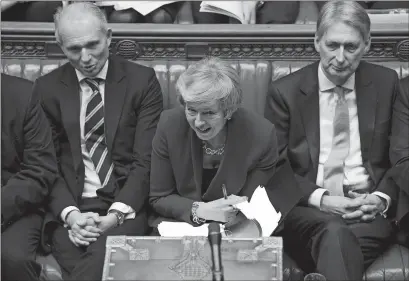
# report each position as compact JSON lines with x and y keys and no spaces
{"x":28,"y":163}
{"x":132,"y":107}
{"x":293,"y":106}
{"x":399,"y":151}
{"x":250,"y":159}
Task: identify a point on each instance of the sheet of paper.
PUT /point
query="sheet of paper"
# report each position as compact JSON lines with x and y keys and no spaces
{"x":228,"y":8}
{"x":180,"y":229}
{"x":389,"y":18}
{"x":240,"y":10}
{"x":261,"y":209}
{"x":143,"y":7}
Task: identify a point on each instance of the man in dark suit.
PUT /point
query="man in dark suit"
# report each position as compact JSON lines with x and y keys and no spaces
{"x":333,"y":121}
{"x":399,"y":153}
{"x":103,"y":111}
{"x":28,"y":170}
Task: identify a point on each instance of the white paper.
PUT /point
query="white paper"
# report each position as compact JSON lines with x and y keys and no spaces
{"x":180,"y":229}
{"x":240,"y":10}
{"x":261,"y":209}
{"x":389,"y":18}
{"x":143,"y":7}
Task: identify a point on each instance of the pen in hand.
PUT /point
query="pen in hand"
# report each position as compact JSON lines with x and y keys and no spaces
{"x":224,"y":191}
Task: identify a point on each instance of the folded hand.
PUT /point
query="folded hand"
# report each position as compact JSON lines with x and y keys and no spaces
{"x":340,"y":205}
{"x":371,"y":206}
{"x":83,"y":230}
{"x":107,"y":222}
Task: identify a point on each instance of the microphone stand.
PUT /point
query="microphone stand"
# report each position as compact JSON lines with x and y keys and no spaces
{"x":215,"y":239}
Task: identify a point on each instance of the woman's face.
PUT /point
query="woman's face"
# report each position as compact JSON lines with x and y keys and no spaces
{"x":207,"y":121}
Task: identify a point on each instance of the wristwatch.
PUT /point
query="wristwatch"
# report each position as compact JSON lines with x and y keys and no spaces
{"x":120,"y":217}
{"x":195,"y":219}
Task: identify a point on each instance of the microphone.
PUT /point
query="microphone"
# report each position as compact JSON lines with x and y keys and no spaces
{"x":215,"y":239}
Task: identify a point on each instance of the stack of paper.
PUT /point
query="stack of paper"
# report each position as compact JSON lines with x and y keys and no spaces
{"x":240,"y":10}
{"x":143,"y":7}
{"x":261,"y":209}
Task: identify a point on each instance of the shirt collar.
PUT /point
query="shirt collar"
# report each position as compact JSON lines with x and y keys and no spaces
{"x":325,"y":84}
{"x":102,"y":74}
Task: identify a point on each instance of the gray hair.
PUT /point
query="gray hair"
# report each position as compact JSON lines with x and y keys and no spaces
{"x":348,"y":12}
{"x":210,"y":80}
{"x":79,"y":10}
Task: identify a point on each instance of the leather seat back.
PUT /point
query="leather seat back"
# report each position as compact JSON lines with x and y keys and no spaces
{"x":255,"y":75}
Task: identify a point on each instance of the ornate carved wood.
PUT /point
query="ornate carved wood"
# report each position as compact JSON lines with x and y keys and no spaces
{"x":178,"y":41}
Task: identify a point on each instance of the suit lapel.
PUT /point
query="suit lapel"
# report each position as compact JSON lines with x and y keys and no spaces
{"x":308,"y":105}
{"x":115,"y":91}
{"x":70,"y":112}
{"x":366,"y":99}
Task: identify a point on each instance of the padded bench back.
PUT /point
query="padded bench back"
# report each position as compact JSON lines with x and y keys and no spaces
{"x":255,"y":75}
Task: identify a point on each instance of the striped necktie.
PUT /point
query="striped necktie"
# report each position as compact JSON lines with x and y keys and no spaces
{"x":334,"y":166}
{"x":94,"y":131}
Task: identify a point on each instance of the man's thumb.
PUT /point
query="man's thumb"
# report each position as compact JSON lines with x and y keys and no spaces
{"x":81,"y":221}
{"x":96,"y":218}
{"x":353,"y":194}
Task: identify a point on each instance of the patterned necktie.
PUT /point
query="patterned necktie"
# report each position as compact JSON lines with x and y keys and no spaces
{"x":94,"y":131}
{"x":334,"y":166}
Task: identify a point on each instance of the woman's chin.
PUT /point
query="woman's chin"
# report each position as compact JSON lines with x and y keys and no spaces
{"x":204,"y":136}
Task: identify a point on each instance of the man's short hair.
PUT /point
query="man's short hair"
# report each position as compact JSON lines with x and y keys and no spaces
{"x":347,"y":12}
{"x":86,"y":9}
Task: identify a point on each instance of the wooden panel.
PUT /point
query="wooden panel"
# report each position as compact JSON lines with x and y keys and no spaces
{"x":185,"y":42}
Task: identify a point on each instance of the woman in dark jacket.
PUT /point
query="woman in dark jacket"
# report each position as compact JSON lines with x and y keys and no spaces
{"x":210,"y":144}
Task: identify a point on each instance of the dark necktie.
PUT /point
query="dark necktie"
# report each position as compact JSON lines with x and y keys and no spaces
{"x":334,"y":166}
{"x":94,"y":131}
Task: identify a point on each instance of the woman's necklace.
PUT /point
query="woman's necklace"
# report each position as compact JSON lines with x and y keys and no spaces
{"x":209,"y":151}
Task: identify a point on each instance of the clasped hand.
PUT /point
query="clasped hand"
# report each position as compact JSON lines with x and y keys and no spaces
{"x":371,"y":206}
{"x":220,"y":210}
{"x":355,"y":208}
{"x":85,"y":228}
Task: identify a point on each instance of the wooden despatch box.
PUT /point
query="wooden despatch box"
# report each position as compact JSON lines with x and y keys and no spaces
{"x":189,"y":258}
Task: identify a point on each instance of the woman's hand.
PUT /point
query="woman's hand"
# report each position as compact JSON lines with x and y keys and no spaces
{"x":220,"y":210}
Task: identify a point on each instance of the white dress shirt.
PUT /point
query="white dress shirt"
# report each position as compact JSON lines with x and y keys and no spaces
{"x":92,"y":182}
{"x":354,"y":171}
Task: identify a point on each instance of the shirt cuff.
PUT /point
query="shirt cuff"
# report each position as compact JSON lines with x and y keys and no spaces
{"x":123,"y":208}
{"x":65,"y":212}
{"x":386,"y":197}
{"x":315,"y":198}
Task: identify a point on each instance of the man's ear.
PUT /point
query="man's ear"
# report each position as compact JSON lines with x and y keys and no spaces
{"x":368,"y":44}
{"x":59,"y":42}
{"x":316,"y":43}
{"x":109,"y":36}
{"x":58,"y":39}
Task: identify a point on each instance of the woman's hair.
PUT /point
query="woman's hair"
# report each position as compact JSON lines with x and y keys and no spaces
{"x":210,"y":80}
{"x":79,"y":10}
{"x":348,"y":12}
